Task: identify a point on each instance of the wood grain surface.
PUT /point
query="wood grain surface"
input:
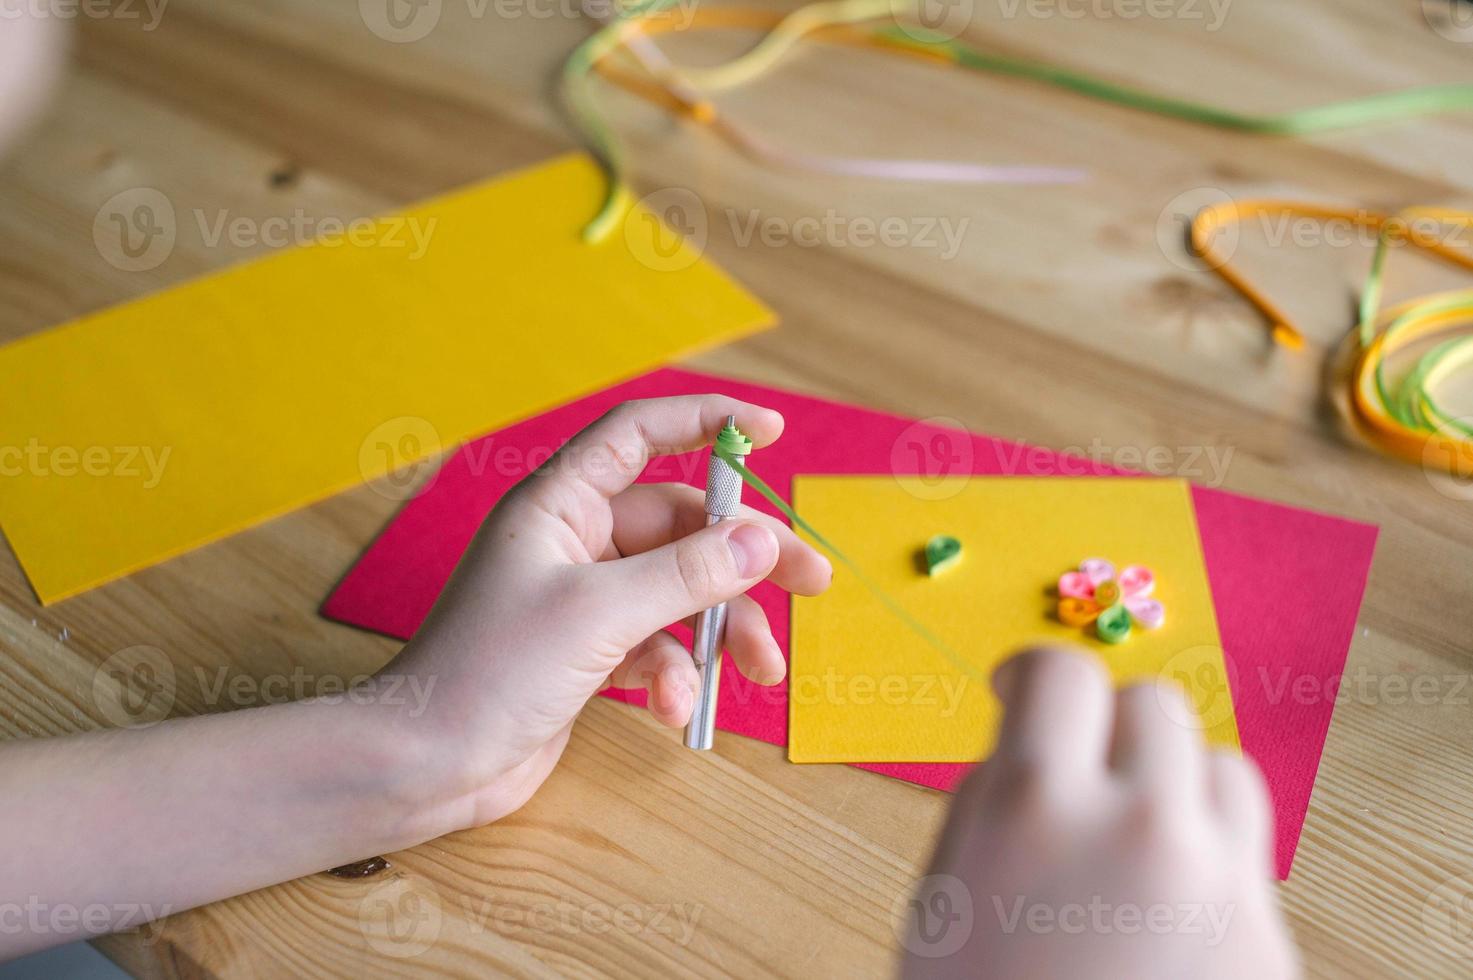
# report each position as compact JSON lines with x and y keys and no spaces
{"x":1067,"y":317}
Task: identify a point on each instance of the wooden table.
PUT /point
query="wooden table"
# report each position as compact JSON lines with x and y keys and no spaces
{"x":1067,"y":317}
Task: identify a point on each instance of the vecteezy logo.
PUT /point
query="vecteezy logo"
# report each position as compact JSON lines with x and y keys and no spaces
{"x":400,"y":918}
{"x":932,"y":458}
{"x":1451,"y":19}
{"x":937,"y":919}
{"x":400,"y":21}
{"x":669,"y":230}
{"x":1447,"y":916}
{"x":932,"y":20}
{"x":1447,"y":460}
{"x":135,"y":230}
{"x":1174,"y":228}
{"x":1201,"y":697}
{"x":134,"y":688}
{"x":399,"y":451}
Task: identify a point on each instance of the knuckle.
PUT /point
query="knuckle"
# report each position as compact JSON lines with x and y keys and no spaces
{"x":614,"y":457}
{"x":626,"y":447}
{"x":544,"y":491}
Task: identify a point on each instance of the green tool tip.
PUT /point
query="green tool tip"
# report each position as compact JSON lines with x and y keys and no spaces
{"x":731,"y":440}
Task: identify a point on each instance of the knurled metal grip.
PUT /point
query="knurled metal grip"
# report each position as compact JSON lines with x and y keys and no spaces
{"x":723,"y":488}
{"x":723,"y":501}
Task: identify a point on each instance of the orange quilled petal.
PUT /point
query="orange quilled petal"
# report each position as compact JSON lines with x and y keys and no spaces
{"x":1077,"y":612}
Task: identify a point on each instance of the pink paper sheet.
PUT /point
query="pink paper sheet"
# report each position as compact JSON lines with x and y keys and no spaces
{"x":1287,"y":583}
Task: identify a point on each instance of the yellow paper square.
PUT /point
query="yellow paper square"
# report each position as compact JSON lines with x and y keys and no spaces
{"x":866,"y":688}
{"x":277,"y":382}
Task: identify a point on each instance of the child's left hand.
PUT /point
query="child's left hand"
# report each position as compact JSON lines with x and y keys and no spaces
{"x":567,"y":589}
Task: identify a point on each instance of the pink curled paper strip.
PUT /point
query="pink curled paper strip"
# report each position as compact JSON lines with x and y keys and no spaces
{"x":1148,"y":613}
{"x":1137,"y":580}
{"x":1076,"y":585}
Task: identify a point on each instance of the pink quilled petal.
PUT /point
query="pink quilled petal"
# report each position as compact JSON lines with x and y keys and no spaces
{"x":1097,"y":570}
{"x":1137,"y":580}
{"x":1147,"y":612}
{"x":1076,"y":585}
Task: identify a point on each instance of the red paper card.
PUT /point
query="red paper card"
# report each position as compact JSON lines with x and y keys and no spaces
{"x":1287,"y":583}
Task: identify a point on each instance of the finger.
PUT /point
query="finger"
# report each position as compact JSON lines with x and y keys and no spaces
{"x":750,"y":643}
{"x":1150,"y":747}
{"x":1057,"y":710}
{"x":1237,"y":793}
{"x":611,"y":453}
{"x":662,"y":666}
{"x":645,"y":592}
{"x":962,"y":820}
{"x":649,"y":515}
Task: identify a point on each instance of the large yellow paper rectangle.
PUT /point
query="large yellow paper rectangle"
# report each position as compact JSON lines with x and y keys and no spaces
{"x":139,"y":432}
{"x":866,"y":688}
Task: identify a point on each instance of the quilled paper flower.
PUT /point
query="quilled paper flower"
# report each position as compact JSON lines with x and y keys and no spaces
{"x":1113,"y":602}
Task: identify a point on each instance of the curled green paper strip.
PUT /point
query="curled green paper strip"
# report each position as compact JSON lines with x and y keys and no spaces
{"x":916,"y":626}
{"x":1410,"y":401}
{"x":734,"y":441}
{"x":1113,"y":625}
{"x":1353,"y":113}
{"x":582,"y":107}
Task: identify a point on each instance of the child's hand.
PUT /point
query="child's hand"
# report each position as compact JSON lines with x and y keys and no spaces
{"x":567,"y":589}
{"x":1100,"y":840}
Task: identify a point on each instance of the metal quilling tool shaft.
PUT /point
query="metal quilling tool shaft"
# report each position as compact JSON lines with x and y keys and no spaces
{"x":723,"y":501}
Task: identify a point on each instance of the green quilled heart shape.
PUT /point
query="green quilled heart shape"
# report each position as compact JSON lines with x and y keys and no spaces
{"x":942,"y":552}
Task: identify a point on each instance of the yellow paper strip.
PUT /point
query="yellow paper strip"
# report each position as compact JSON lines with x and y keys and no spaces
{"x":866,"y":688}
{"x":145,"y":430}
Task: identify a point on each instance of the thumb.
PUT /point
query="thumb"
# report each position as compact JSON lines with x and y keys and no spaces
{"x":649,"y":591}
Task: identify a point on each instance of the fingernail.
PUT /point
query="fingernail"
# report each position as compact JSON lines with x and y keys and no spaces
{"x":754,"y":548}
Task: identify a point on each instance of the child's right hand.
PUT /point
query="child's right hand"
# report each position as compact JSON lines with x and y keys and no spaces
{"x":567,"y":589}
{"x":1101,"y":840}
